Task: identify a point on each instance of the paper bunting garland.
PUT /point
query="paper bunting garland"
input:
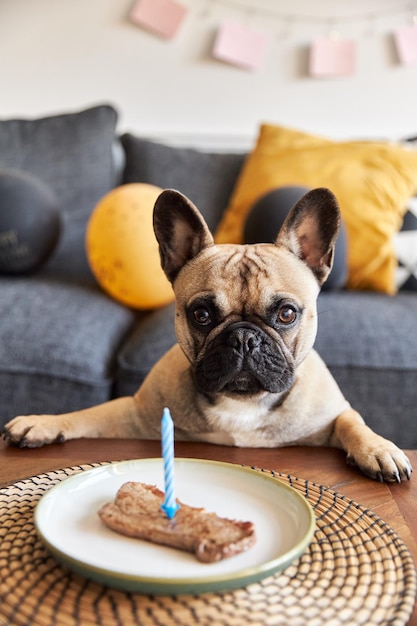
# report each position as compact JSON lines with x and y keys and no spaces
{"x":239,"y":45}
{"x":243,"y":46}
{"x":332,"y":57}
{"x":161,"y":17}
{"x":406,"y":43}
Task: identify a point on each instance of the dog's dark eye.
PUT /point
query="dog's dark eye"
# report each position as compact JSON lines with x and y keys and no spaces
{"x":287,"y":314}
{"x":202,"y":316}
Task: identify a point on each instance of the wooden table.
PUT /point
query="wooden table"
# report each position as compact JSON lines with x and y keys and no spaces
{"x":396,"y":504}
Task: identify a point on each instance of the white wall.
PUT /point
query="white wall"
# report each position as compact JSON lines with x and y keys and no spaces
{"x":61,"y":55}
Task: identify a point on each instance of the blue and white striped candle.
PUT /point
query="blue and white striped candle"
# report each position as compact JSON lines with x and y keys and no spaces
{"x":170,"y":506}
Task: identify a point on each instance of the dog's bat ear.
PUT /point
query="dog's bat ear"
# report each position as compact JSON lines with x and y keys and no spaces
{"x":310,"y":231}
{"x":180,"y":230}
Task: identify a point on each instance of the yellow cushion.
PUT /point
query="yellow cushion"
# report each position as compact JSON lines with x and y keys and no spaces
{"x":372,"y":182}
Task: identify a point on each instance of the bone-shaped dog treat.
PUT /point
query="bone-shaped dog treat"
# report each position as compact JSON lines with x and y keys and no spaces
{"x":136,"y":512}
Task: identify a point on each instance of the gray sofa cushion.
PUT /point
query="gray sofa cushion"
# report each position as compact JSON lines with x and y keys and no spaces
{"x":369,"y":342}
{"x":72,"y":153}
{"x":58,"y":345}
{"x":152,"y":337}
{"x":207,"y":179}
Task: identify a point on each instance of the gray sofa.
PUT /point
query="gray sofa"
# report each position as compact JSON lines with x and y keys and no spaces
{"x":65,"y":344}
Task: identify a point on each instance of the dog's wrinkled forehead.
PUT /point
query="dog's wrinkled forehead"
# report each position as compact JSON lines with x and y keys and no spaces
{"x":249,"y":273}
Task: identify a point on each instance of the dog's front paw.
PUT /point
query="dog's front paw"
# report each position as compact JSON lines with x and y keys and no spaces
{"x":32,"y":431}
{"x":383,"y":461}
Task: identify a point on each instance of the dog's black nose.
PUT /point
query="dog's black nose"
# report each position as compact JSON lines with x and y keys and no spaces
{"x":244,"y":340}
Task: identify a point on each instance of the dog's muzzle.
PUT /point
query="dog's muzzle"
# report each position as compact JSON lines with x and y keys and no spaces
{"x":244,"y":359}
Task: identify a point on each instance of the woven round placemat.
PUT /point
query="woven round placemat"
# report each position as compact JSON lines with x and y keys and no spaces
{"x":356,"y":571}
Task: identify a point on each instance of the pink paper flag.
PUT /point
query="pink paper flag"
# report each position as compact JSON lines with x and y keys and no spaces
{"x":162,"y":17}
{"x":332,"y":57}
{"x":406,"y":43}
{"x":239,"y":45}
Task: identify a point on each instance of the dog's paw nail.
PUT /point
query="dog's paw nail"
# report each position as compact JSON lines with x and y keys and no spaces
{"x":379,"y":477}
{"x":396,"y":477}
{"x":351,"y":461}
{"x":407,"y":472}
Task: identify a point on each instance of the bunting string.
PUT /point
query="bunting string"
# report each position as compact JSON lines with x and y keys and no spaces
{"x":254,"y":9}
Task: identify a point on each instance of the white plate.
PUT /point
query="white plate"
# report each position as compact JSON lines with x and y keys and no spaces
{"x":67,"y":521}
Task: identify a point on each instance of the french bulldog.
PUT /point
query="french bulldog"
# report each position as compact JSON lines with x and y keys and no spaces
{"x":244,"y":371}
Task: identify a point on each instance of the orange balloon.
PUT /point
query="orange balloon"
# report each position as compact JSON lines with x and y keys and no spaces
{"x":122,"y":249}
